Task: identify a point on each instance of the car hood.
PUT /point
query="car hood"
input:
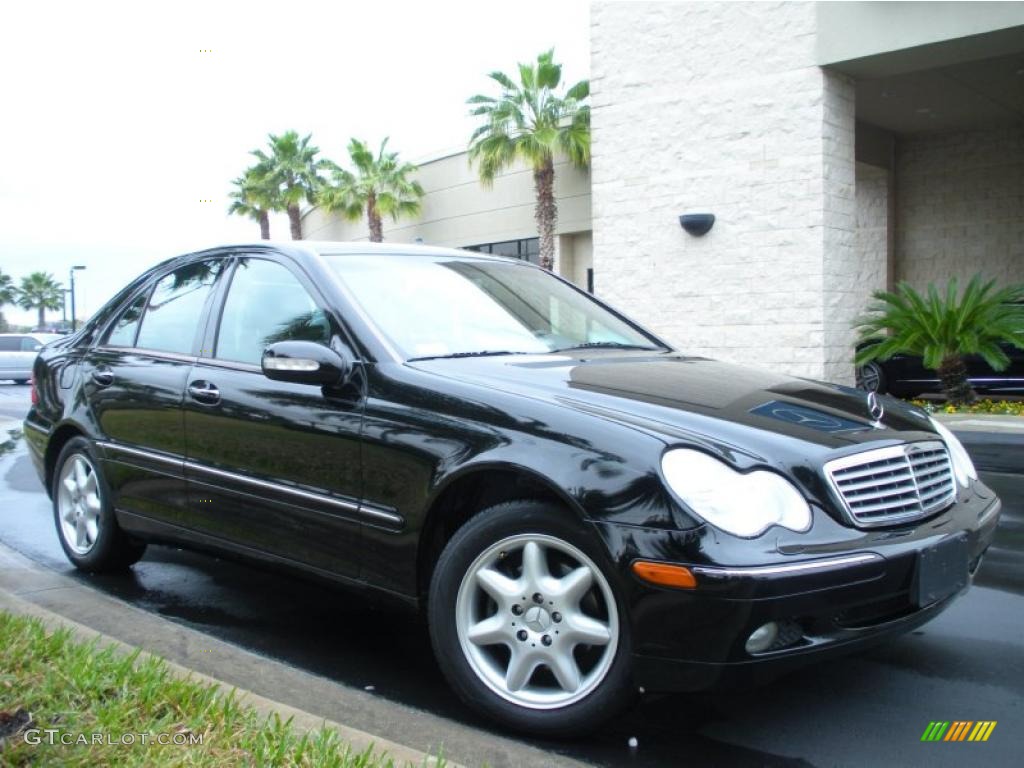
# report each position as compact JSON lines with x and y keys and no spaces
{"x":689,"y":398}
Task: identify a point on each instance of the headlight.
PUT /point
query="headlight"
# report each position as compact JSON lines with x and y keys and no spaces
{"x":963,"y":467}
{"x":742,"y":504}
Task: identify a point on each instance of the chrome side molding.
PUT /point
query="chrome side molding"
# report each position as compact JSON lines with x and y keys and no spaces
{"x":372,"y":513}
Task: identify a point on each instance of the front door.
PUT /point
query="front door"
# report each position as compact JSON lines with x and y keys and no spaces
{"x":271,"y":465}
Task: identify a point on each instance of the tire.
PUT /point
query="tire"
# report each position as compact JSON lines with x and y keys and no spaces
{"x":82,"y":512}
{"x":871,"y":378}
{"x":576,"y":597}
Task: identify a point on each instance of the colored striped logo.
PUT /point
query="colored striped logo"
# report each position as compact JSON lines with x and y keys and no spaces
{"x":958,"y":730}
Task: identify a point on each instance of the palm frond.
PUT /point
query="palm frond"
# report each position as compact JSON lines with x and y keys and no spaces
{"x":380,"y":177}
{"x":940,"y":325}
{"x":530,"y":121}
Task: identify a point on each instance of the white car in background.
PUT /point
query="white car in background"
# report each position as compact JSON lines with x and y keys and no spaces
{"x":18,"y":352}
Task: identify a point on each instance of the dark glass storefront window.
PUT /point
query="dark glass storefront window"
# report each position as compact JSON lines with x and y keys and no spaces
{"x":527,"y":249}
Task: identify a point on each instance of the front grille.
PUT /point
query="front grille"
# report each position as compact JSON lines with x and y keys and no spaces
{"x":893,"y":485}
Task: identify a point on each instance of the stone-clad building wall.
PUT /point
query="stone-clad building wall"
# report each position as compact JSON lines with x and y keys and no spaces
{"x":960,"y":204}
{"x":720,"y":107}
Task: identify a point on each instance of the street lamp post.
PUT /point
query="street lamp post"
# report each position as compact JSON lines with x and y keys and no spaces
{"x":74,"y":322}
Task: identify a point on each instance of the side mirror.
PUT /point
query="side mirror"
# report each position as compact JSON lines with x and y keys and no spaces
{"x":305,"y":362}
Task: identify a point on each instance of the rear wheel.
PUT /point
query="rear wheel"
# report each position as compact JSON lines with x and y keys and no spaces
{"x":526,"y":624}
{"x":871,"y":378}
{"x":86,"y":526}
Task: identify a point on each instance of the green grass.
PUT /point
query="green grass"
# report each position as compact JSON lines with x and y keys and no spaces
{"x":83,"y":688}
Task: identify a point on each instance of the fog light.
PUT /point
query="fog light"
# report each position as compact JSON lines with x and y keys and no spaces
{"x":761,"y":639}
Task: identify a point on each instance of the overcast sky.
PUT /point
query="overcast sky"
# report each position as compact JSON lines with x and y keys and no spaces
{"x":115,"y":126}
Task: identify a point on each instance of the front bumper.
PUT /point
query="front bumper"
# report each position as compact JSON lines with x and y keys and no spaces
{"x":830,"y":591}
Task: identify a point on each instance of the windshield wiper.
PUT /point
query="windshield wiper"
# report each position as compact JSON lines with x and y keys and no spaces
{"x":481,"y":353}
{"x":607,"y":345}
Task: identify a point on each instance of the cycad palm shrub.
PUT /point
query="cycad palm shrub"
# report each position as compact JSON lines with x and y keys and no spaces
{"x":943,"y":328}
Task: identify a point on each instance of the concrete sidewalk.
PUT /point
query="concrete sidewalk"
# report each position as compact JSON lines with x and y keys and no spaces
{"x":270,"y":686}
{"x":983,"y":422}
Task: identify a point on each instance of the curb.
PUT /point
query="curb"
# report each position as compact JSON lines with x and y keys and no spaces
{"x":301,"y":720}
{"x":45,"y":581}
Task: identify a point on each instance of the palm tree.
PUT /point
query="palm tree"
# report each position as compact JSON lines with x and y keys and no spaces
{"x":8,"y":295}
{"x":292,"y":172}
{"x":942,"y":330}
{"x":254,"y":198}
{"x":529,"y":121}
{"x":40,"y":291}
{"x":380,"y":187}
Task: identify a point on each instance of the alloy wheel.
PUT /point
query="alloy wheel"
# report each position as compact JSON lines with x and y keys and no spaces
{"x":79,"y":503}
{"x":537,"y":621}
{"x":869,"y":377}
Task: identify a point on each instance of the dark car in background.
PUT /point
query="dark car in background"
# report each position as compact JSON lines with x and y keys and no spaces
{"x":579,"y":509}
{"x":905,"y":376}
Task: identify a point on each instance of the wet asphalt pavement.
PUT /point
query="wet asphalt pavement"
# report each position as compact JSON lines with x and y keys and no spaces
{"x":867,"y":709}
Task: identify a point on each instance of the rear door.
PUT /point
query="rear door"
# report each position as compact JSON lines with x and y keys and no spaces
{"x":134,"y":380}
{"x":273,"y":466}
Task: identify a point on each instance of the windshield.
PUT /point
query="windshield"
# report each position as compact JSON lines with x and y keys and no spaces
{"x":449,"y":307}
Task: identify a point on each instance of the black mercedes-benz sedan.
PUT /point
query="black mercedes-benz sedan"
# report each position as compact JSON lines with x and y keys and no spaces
{"x":579,"y":509}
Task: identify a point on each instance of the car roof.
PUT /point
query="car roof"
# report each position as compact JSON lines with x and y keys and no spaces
{"x":313,"y":248}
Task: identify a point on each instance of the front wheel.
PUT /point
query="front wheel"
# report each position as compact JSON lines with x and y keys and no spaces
{"x":86,"y":526}
{"x":526,"y":624}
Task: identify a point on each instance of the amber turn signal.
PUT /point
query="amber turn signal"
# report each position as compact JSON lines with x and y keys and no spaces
{"x":665,"y":574}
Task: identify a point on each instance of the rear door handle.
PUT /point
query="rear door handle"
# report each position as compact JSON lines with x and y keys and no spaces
{"x":103,"y":376}
{"x":204,"y":392}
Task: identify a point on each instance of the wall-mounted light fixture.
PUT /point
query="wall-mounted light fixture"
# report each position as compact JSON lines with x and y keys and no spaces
{"x":697,"y":224}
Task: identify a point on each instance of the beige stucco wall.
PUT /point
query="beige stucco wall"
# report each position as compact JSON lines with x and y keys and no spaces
{"x":721,"y":107}
{"x":575,"y":253}
{"x":961,"y":206}
{"x":903,"y":36}
{"x":459,"y":211}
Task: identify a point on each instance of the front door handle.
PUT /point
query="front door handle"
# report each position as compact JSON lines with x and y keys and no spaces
{"x":204,"y":392}
{"x":103,"y":376}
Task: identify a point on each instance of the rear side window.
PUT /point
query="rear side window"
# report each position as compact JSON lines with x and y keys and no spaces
{"x":122,"y":333}
{"x":10,"y":343}
{"x":265,"y":304}
{"x":175,"y":306}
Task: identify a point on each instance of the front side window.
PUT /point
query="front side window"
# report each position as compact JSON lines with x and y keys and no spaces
{"x":266,"y":303}
{"x":122,"y":333}
{"x":28,"y":344}
{"x":175,"y":306}
{"x":439,"y":307}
